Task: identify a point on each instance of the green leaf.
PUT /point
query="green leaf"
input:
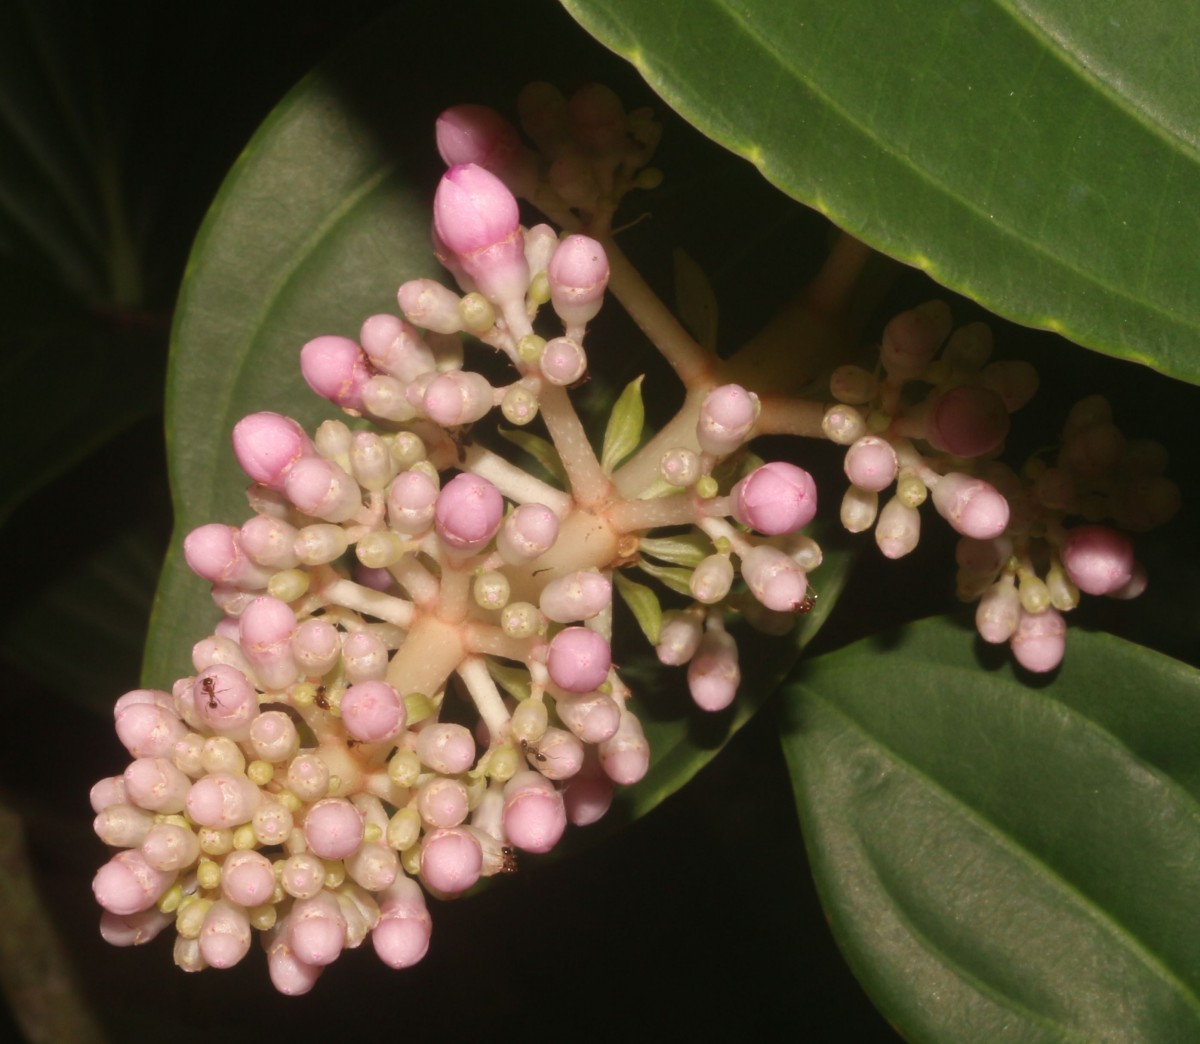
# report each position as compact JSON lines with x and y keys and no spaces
{"x":677,"y":580}
{"x":684,"y":549}
{"x":1005,"y":858}
{"x":1040,"y":156}
{"x":625,"y":425}
{"x":644,"y":605}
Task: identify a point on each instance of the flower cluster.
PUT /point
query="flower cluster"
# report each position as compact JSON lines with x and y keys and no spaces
{"x":321,"y":760}
{"x":933,"y":424}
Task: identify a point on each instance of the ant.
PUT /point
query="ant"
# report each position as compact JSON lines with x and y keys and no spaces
{"x":806,"y":603}
{"x":461,"y":437}
{"x":508,"y":863}
{"x":210,"y":690}
{"x":528,"y":749}
{"x":320,"y":698}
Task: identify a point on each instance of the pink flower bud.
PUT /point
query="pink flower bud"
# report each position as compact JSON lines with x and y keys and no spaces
{"x":333,"y":828}
{"x":412,"y":497}
{"x":156,"y":785}
{"x":967,"y":421}
{"x":911,"y":339}
{"x":123,"y":826}
{"x":540,"y":243}
{"x":290,"y":975}
{"x":563,"y":361}
{"x":394,"y":347}
{"x":711,"y":579}
{"x":528,"y":532}
{"x":578,"y":274}
{"x":336,"y":369}
{"x":469,"y":511}
{"x":679,"y":639}
{"x":871,"y":464}
{"x":1040,"y":640}
{"x":559,"y":754}
{"x":316,"y":929}
{"x":534,"y":816}
{"x":225,"y":701}
{"x":320,"y":488}
{"x":108,"y":791}
{"x":578,"y":659}
{"x":898,"y":529}
{"x":133,"y":929}
{"x":222,"y":799}
{"x":442,"y":803}
{"x":446,"y":747}
{"x":451,"y":860}
{"x":576,"y":596}
{"x":273,"y":736}
{"x":372,"y":712}
{"x":401,"y":936}
{"x":713,"y":673}
{"x":593,"y":717}
{"x":302,"y":876}
{"x":316,"y":646}
{"x":973,"y":507}
{"x":267,"y":446}
{"x":588,"y":795}
{"x":265,"y":631}
{"x":247,"y":878}
{"x":170,"y":847}
{"x":127,"y":884}
{"x":853,"y":385}
{"x":364,"y":658}
{"x":774,"y":578}
{"x":1099,"y":560}
{"x":477,"y":134}
{"x":430,"y":305}
{"x":727,"y":417}
{"x":374,"y":866}
{"x":214,"y":552}
{"x":269,"y":542}
{"x":458,"y":397}
{"x":225,"y":935}
{"x":625,"y":756}
{"x":998,"y":612}
{"x":149,"y":731}
{"x":775,"y":499}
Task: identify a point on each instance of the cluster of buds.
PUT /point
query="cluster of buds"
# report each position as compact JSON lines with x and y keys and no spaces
{"x":933,"y":424}
{"x":413,"y":681}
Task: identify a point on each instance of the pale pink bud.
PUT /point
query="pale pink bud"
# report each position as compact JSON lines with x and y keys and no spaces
{"x":911,"y":339}
{"x":588,"y":795}
{"x":871,"y":463}
{"x":1137,"y":583}
{"x":576,"y":596}
{"x":578,"y":274}
{"x":451,"y":860}
{"x":148,"y":730}
{"x":679,"y":639}
{"x":774,"y":578}
{"x":775,"y":499}
{"x":1099,"y":560}
{"x":446,"y":747}
{"x":982,"y":556}
{"x":247,"y":878}
{"x":225,"y":701}
{"x":1040,"y":640}
{"x":108,"y":791}
{"x":170,"y":847}
{"x":215,"y":553}
{"x":563,"y":361}
{"x":967,"y":421}
{"x":401,"y":936}
{"x":267,"y":446}
{"x":477,"y":134}
{"x":273,"y":736}
{"x":265,"y":631}
{"x":302,"y":876}
{"x":559,"y":754}
{"x":364,"y":658}
{"x":442,"y":802}
{"x":222,"y":799}
{"x":133,"y":929}
{"x":843,"y":425}
{"x":578,"y":659}
{"x":680,"y":467}
{"x":123,"y":826}
{"x":727,"y":417}
{"x":973,"y":507}
{"x":374,"y":866}
{"x":412,"y":497}
{"x":316,"y":646}
{"x":528,"y":532}
{"x":713,"y":673}
{"x":394,"y":347}
{"x":372,"y":712}
{"x":625,"y":756}
{"x":458,"y":397}
{"x":593,"y":717}
{"x":320,"y":488}
{"x":336,"y":368}
{"x":534,"y":816}
{"x":430,"y":305}
{"x":898,"y":529}
{"x":853,"y":385}
{"x":333,"y":828}
{"x":157,"y":785}
{"x":290,"y":975}
{"x":316,"y":929}
{"x":225,"y":935}
{"x":469,"y":511}
{"x":127,"y":884}
{"x":540,"y":243}
{"x":998,"y":612}
{"x":308,"y":776}
{"x":711,"y":579}
{"x":268,"y":541}
{"x":476,"y":217}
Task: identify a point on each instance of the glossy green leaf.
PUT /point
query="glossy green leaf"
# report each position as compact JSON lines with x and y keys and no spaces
{"x":1039,"y":156}
{"x":625,"y":425}
{"x":1006,"y":858}
{"x":643,"y":603}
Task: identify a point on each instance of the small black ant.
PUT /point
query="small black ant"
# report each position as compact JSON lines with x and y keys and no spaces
{"x":210,"y":690}
{"x":320,"y":699}
{"x":528,"y":748}
{"x":508,"y":864}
